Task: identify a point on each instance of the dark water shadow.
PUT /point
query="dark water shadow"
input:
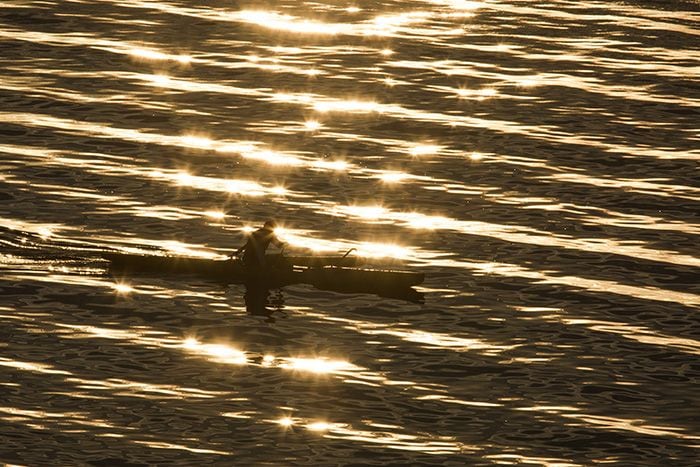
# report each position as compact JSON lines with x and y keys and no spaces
{"x":261,"y":300}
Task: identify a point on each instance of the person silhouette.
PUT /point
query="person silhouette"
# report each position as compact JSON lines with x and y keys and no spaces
{"x":253,"y":252}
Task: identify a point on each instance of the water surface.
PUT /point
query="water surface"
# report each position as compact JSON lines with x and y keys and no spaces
{"x":537,"y":161}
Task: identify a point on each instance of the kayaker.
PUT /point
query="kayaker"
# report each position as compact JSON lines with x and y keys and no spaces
{"x":253,"y":252}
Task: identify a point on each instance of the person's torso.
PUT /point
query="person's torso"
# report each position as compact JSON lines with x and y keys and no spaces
{"x":258,"y":242}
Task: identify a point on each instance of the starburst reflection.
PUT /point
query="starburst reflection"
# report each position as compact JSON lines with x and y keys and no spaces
{"x":198,"y":142}
{"x":318,"y":365}
{"x":123,"y":288}
{"x":336,"y":165}
{"x":282,"y":22}
{"x":221,"y":353}
{"x":424,"y":150}
{"x":366,"y":212}
{"x":393,"y":177}
{"x":319,"y":426}
{"x":312,"y":125}
{"x":390,"y":82}
{"x":478,"y":94}
{"x":160,"y":80}
{"x":527,"y":81}
{"x":218,"y":215}
{"x":150,"y":54}
{"x":285,"y":422}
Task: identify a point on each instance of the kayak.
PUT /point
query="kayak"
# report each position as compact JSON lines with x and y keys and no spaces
{"x":326,"y":272}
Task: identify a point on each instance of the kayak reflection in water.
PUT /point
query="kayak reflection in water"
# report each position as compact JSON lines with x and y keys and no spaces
{"x":260,"y":302}
{"x":253,"y":252}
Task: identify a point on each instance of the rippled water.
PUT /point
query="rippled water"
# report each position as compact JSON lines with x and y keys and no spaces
{"x":537,"y":160}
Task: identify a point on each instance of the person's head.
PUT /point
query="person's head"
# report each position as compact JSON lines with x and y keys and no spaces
{"x":269,"y":225}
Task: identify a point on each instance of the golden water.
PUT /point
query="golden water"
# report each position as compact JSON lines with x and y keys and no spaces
{"x":537,"y":160}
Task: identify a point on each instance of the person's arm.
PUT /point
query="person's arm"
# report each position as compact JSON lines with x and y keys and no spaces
{"x":277,"y":242}
{"x":242,"y":248}
{"x":237,"y":252}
